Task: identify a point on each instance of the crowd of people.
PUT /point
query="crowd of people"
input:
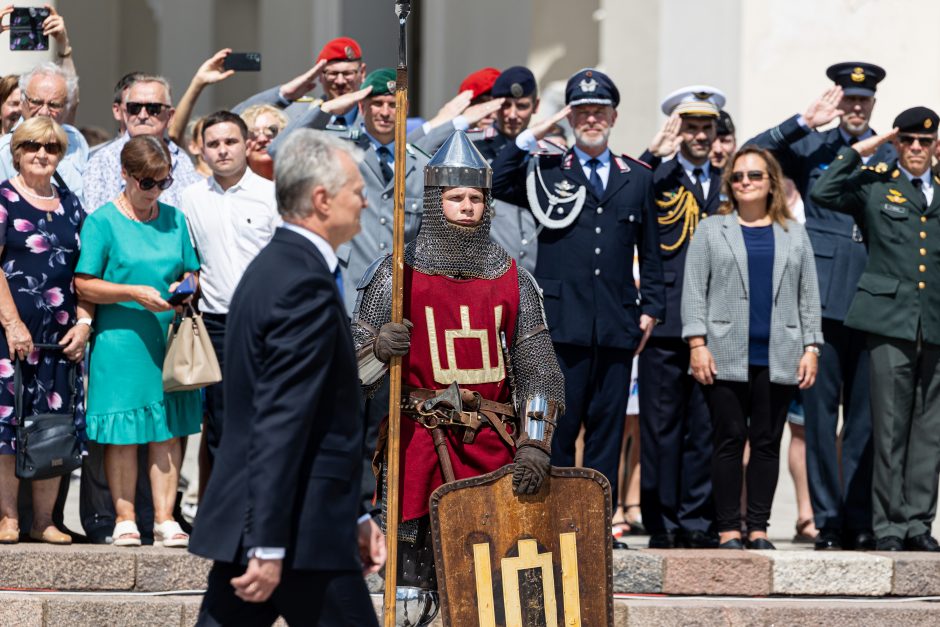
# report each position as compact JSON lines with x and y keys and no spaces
{"x":717,"y":292}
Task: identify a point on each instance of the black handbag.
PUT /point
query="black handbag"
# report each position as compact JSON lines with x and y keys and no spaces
{"x":46,"y":444}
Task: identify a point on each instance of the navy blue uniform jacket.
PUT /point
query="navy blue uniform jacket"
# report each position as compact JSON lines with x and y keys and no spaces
{"x":288,"y":469}
{"x":669,"y":178}
{"x":586,"y":270}
{"x":837,"y":242}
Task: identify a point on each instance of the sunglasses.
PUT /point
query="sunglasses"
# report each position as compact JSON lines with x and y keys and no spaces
{"x":925,"y":140}
{"x":149,"y":183}
{"x":153,"y":108}
{"x":269,"y":132}
{"x":755,"y":176}
{"x":51,"y":148}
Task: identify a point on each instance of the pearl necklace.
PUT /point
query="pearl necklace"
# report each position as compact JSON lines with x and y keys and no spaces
{"x":125,"y":207}
{"x":31,"y":194}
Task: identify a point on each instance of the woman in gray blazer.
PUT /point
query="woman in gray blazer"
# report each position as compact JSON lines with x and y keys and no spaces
{"x":750,"y":313}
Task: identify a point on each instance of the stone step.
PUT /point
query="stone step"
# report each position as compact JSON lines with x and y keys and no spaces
{"x":648,"y":571}
{"x":134,"y":609}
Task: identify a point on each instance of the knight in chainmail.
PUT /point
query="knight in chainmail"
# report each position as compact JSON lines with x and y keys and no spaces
{"x":475,"y":328}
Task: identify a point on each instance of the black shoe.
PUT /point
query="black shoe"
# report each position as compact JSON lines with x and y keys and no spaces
{"x":733,"y":543}
{"x":662,"y":541}
{"x":696,"y":540}
{"x":760,"y":544}
{"x":619,"y":545}
{"x":889,"y":543}
{"x":861,"y":541}
{"x":828,"y":540}
{"x":923,"y":542}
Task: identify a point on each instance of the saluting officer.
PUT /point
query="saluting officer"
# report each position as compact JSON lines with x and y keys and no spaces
{"x":593,"y":206}
{"x":841,"y":500}
{"x":897,"y":306}
{"x":675,"y":428}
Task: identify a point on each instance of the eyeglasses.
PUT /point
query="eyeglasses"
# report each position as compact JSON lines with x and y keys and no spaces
{"x":149,"y":183}
{"x":153,"y":108}
{"x":51,"y":148}
{"x":924,"y":140}
{"x":270,"y":132}
{"x":755,"y":176}
{"x":332,"y":75}
{"x":37,"y":104}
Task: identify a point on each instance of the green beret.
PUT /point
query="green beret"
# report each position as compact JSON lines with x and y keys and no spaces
{"x":381,"y":80}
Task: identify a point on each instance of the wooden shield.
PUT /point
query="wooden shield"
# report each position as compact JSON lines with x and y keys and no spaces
{"x":530,"y":561}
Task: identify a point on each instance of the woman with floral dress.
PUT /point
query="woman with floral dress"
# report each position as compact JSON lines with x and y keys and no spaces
{"x":39,"y":248}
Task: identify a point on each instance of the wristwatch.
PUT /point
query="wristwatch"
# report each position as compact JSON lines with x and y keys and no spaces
{"x":812,"y":348}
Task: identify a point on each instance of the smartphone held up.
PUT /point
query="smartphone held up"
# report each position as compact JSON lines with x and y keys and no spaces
{"x":26,"y":32}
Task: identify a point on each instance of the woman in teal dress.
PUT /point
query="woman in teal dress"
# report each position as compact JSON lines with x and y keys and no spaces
{"x":135,"y":250}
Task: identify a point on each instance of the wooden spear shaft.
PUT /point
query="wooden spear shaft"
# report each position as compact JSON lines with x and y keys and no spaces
{"x":393,"y":446}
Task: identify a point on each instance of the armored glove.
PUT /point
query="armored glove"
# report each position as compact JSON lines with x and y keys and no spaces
{"x":393,"y":340}
{"x":532,"y":466}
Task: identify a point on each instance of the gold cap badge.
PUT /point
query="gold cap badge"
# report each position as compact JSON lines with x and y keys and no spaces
{"x":858,"y":75}
{"x":928,"y":123}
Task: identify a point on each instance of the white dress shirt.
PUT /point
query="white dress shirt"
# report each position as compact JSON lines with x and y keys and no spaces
{"x":690,"y":167}
{"x":603,"y":170}
{"x":228,"y":229}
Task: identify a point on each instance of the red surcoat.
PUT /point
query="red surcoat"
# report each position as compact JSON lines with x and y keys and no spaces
{"x":456,"y":337}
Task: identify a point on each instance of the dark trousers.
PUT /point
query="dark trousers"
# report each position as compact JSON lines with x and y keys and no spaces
{"x":304,"y":597}
{"x":675,"y":441}
{"x":840,"y":499}
{"x":597,"y":386}
{"x":215,"y":398}
{"x":753,"y":411}
{"x":375,"y":410}
{"x":905,"y":404}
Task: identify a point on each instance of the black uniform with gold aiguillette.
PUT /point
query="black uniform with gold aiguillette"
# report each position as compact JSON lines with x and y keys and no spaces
{"x":897,"y":305}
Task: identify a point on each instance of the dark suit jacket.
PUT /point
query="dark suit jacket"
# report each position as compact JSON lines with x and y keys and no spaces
{"x":288,"y":469}
{"x":586,"y":269}
{"x":804,"y":156}
{"x":669,"y":178}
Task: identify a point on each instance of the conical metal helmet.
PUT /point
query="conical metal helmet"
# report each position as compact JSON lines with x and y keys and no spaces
{"x":458,"y":163}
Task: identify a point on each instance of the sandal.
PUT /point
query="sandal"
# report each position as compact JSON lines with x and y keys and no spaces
{"x":170,"y":534}
{"x":50,"y":535}
{"x":125,"y":534}
{"x":636,"y":524}
{"x":9,"y":536}
{"x":801,"y":536}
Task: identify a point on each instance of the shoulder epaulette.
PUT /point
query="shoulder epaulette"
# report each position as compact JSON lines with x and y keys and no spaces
{"x":634,"y":160}
{"x":416,"y":150}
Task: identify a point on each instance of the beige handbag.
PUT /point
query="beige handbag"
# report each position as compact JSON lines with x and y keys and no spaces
{"x":190,"y":362}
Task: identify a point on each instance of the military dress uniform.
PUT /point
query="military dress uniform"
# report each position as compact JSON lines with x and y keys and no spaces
{"x":585,"y":270}
{"x":675,"y":426}
{"x":897,"y":306}
{"x":839,"y":487}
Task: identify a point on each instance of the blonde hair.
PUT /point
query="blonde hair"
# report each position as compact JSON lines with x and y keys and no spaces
{"x":37,"y":129}
{"x":777,"y":198}
{"x":252,"y":113}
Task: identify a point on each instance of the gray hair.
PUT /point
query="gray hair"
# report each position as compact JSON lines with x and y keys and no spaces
{"x":48,"y":68}
{"x":150,"y":78}
{"x":305,"y":159}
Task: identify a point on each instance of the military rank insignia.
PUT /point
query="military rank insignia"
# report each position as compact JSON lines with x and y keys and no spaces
{"x":895,"y":196}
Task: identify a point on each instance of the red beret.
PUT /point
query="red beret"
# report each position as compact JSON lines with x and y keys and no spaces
{"x":480,"y":82}
{"x":341,"y":49}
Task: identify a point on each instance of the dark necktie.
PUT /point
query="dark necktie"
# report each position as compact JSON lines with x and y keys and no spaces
{"x":338,"y":276}
{"x":697,"y":180}
{"x":384,"y":153}
{"x":595,"y":178}
{"x":918,"y":184}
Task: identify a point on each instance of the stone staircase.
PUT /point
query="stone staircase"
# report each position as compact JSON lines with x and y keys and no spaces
{"x":101,"y":586}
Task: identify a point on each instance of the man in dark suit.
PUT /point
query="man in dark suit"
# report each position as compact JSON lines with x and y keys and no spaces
{"x":675,"y":427}
{"x":839,"y":488}
{"x":279,"y":513}
{"x":594,"y":207}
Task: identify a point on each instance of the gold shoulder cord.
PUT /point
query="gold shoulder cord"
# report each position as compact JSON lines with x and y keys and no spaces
{"x":682,"y":206}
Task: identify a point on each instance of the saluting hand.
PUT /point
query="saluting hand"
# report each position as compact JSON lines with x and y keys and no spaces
{"x":703,"y":365}
{"x":344,"y":102}
{"x":477,"y":112}
{"x":452,"y":108}
{"x":299,"y":86}
{"x":868,"y":146}
{"x":666,"y":142}
{"x":543,"y":127}
{"x":825,"y":109}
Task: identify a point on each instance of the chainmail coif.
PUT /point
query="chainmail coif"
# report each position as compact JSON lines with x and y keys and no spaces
{"x":442,"y":248}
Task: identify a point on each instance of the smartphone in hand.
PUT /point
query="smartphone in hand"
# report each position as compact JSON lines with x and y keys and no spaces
{"x":242,"y":62}
{"x":26,"y":28}
{"x":184,"y":290}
